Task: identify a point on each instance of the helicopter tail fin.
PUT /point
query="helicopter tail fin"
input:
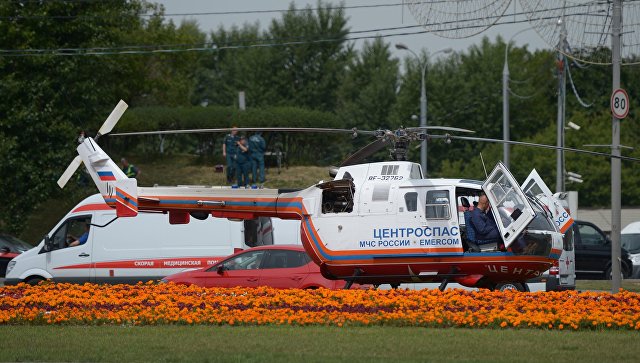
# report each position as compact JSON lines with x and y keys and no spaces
{"x":116,"y":188}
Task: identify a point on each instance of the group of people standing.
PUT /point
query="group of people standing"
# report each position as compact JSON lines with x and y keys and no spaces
{"x":243,"y":155}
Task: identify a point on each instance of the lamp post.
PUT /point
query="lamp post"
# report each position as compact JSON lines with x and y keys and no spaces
{"x":562,"y":92}
{"x":423,"y":98}
{"x":506,"y":155}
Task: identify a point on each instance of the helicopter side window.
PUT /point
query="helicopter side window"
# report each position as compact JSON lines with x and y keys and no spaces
{"x":438,"y":204}
{"x":416,"y":172}
{"x":411,"y":200}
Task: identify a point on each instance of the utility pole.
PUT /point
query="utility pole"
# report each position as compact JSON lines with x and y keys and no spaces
{"x":423,"y":117}
{"x":505,"y":109}
{"x":616,"y":172}
{"x":562,"y":88}
{"x":423,"y":99}
{"x":506,"y":150}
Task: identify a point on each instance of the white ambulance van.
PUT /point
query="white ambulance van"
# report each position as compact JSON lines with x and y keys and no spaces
{"x":128,"y":250}
{"x":287,"y":230}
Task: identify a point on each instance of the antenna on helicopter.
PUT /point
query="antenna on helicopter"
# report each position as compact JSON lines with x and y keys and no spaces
{"x":107,"y":126}
{"x":486,"y":175}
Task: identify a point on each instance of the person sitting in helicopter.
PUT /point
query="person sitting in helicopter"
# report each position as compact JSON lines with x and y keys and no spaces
{"x":483,"y":222}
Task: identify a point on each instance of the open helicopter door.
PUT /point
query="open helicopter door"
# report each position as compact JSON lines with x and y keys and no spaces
{"x":535,"y":186}
{"x":509,"y":205}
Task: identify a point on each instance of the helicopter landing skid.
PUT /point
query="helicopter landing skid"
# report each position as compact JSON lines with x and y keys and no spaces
{"x":356,"y":273}
{"x":445,"y":281}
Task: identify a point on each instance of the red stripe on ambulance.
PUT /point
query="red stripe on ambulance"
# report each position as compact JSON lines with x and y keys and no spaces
{"x":189,"y":262}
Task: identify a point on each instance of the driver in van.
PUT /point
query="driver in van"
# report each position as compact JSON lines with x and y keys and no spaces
{"x":483,"y":222}
{"x":83,"y":239}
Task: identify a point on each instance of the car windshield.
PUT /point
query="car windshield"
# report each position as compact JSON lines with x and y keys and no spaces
{"x":19,"y":245}
{"x":631,"y":242}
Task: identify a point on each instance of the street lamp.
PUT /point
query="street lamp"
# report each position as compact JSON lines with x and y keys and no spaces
{"x":423,"y":98}
{"x":505,"y":101}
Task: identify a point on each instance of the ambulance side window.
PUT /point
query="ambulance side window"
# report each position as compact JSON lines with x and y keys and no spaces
{"x":438,"y":204}
{"x":69,"y":231}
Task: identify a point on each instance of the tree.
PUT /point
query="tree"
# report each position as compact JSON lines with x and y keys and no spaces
{"x":309,"y":73}
{"x":299,"y":61}
{"x":48,"y":97}
{"x":368,"y":91}
{"x":465,"y":90}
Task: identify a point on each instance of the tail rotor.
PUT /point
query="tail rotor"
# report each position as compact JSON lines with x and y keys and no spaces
{"x":107,"y":126}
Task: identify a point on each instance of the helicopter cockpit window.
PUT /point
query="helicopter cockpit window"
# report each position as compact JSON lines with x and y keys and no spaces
{"x":438,"y":204}
{"x":508,"y":202}
{"x":411,"y":200}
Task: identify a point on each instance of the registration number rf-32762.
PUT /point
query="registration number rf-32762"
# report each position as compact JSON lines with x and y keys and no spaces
{"x":385,"y":177}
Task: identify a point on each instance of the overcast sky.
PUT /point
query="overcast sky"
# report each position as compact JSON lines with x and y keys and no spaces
{"x":359,"y":19}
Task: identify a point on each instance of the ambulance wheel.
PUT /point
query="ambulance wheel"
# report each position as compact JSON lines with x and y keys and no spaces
{"x":504,"y":286}
{"x":34,"y":280}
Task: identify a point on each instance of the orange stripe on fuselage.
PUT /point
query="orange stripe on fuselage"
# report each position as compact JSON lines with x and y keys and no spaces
{"x":566,"y":226}
{"x":92,"y":207}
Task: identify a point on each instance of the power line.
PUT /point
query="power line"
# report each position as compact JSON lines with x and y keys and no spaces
{"x":201,"y":47}
{"x":236,"y":12}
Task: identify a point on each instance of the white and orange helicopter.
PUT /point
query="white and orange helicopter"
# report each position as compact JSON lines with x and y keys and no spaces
{"x":375,"y":223}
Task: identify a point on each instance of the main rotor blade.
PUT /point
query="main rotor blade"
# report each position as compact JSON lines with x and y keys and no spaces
{"x":441,"y":128}
{"x":113,"y":118}
{"x":353,"y":131}
{"x":531,"y":144}
{"x":64,"y":178}
{"x":361,"y":154}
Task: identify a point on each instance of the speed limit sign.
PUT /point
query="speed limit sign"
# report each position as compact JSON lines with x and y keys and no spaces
{"x":620,"y":103}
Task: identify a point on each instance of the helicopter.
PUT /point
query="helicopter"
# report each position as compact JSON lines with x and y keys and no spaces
{"x":374,"y":223}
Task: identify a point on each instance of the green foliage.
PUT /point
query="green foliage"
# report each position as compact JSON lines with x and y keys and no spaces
{"x":293,"y":68}
{"x":48,"y":98}
{"x":368,"y":92}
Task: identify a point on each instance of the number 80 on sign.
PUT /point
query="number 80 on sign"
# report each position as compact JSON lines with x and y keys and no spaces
{"x":620,"y":103}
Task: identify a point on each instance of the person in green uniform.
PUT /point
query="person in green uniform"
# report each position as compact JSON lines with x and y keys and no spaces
{"x":129,"y":169}
{"x":257,"y":146}
{"x":243,"y":162}
{"x":229,"y":151}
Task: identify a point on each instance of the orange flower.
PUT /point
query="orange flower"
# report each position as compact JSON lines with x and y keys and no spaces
{"x":148,"y":304}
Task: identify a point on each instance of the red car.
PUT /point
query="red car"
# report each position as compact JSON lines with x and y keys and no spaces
{"x":10,"y":247}
{"x":279,"y":266}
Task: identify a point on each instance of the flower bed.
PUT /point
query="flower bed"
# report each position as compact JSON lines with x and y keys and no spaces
{"x":151,"y":304}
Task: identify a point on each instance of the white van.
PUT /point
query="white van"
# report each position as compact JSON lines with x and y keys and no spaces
{"x":128,"y":250}
{"x":630,"y":240}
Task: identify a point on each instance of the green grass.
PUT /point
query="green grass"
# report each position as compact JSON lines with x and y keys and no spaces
{"x":186,"y":169}
{"x":605,"y":285}
{"x":311,"y":344}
